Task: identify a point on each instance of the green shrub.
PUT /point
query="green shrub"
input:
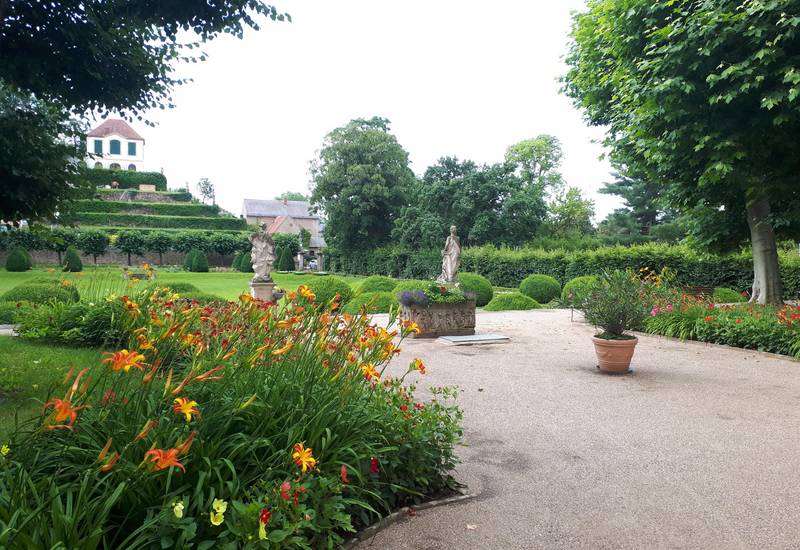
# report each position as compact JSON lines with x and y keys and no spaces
{"x":188,"y":260}
{"x":199,"y":262}
{"x":72,"y":261}
{"x":411,"y":284}
{"x":613,"y":305}
{"x":478,"y":285}
{"x":202,"y":297}
{"x":329,"y":286}
{"x":727,"y":296}
{"x":10,"y":312}
{"x":18,"y":260}
{"x":577,"y":289}
{"x":285,"y":261}
{"x":42,"y":292}
{"x":181,"y":287}
{"x":113,"y":194}
{"x":160,"y":208}
{"x":237,"y":261}
{"x":377,"y":283}
{"x":125,"y":178}
{"x":510,"y":301}
{"x":374,"y":302}
{"x":246,"y":263}
{"x":152,"y":220}
{"x":541,"y":288}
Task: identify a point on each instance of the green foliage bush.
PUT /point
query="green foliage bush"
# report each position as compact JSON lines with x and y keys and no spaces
{"x":237,"y":261}
{"x":37,"y":292}
{"x":18,"y":260}
{"x":477,"y":285}
{"x":177,"y":196}
{"x":377,"y":283}
{"x":152,"y":220}
{"x":286,"y":241}
{"x":72,"y":261}
{"x":411,"y":284}
{"x":373,"y":302}
{"x":188,"y":260}
{"x":93,"y":242}
{"x":100,"y":324}
{"x":246,"y":263}
{"x":612,"y":305}
{"x":510,"y":301}
{"x":541,"y":288}
{"x":576,"y":290}
{"x":329,"y":286}
{"x":199,"y":262}
{"x":11,"y":312}
{"x":159,"y":208}
{"x":125,"y":178}
{"x":724,"y":295}
{"x":181,"y":287}
{"x":285,"y":261}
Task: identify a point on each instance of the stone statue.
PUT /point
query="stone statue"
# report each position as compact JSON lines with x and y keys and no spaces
{"x":451,"y":259}
{"x":262,"y":255}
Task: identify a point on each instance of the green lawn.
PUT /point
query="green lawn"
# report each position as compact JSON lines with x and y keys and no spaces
{"x":95,"y":281}
{"x":28,"y":371}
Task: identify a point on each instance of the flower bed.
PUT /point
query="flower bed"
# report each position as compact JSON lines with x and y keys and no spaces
{"x":239,"y":425}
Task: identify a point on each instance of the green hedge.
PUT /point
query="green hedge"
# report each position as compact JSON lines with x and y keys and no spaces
{"x":377,"y":283}
{"x":374,"y":302}
{"x":37,"y":292}
{"x":542,"y":288}
{"x":477,"y":285}
{"x":159,"y":208}
{"x":508,"y":267}
{"x":125,"y":178}
{"x":512,"y":301}
{"x":150,"y":220}
{"x":18,"y":260}
{"x":11,"y":312}
{"x":327,"y":287}
{"x":177,"y":196}
{"x":576,"y":290}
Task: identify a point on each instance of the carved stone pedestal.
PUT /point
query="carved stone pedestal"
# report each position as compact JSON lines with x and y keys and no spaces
{"x":436,"y":320}
{"x":262,"y":291}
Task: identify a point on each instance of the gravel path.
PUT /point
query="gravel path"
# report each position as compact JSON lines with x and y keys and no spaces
{"x":698,"y":448}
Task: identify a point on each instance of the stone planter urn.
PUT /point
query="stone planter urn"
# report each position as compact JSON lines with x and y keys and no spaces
{"x":436,"y":320}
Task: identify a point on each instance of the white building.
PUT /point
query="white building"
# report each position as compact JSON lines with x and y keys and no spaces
{"x":115,"y":145}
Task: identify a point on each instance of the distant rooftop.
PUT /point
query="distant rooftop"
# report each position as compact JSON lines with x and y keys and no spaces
{"x":115,"y":126}
{"x":276,"y":208}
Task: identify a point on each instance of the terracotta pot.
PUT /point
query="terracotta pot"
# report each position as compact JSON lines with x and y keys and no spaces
{"x":614,"y":356}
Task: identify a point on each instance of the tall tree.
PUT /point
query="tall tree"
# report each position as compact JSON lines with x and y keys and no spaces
{"x":291,"y":196}
{"x":643,"y":198}
{"x":570,"y":215}
{"x":206,"y":190}
{"x":702,"y":94}
{"x":538,"y":161}
{"x":360,"y":182}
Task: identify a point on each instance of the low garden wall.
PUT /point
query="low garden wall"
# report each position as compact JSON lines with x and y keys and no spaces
{"x":115,"y":257}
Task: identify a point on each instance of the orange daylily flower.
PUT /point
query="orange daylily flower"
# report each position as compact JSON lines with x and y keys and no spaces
{"x":418,"y":365}
{"x":124,"y":360}
{"x":63,"y":411}
{"x":161,"y":459}
{"x":283,"y":350}
{"x":369,"y":372}
{"x":410,"y":326}
{"x":343,"y":474}
{"x":306,"y":293}
{"x":186,"y":407}
{"x":303,"y":457}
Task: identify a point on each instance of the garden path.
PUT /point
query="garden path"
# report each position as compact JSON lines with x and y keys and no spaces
{"x":699,"y":448}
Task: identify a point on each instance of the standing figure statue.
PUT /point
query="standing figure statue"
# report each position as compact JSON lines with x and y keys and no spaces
{"x":451,"y":259}
{"x":262,"y":255}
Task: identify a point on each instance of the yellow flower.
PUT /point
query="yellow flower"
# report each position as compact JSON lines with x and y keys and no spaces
{"x":217,"y":515}
{"x":177,"y":509}
{"x":418,"y":365}
{"x":369,"y":372}
{"x":186,"y":407}
{"x":4,"y":450}
{"x":216,"y":518}
{"x":306,"y":293}
{"x":303,"y":457}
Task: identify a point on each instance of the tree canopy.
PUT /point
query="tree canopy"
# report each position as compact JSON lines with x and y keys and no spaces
{"x":538,"y":161}
{"x":360,"y":181}
{"x":702,"y":96}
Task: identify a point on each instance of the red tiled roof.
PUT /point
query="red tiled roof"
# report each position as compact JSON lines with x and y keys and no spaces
{"x":115,"y":126}
{"x":276,"y":224}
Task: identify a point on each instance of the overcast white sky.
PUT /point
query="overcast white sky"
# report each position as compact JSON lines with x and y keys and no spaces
{"x":455,"y":77}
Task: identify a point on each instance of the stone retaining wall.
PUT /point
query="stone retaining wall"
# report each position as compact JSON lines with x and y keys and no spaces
{"x":114,"y":257}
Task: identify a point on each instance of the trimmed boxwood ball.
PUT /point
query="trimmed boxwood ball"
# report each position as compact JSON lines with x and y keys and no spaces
{"x":181,"y":287}
{"x":510,"y":301}
{"x":327,"y":287}
{"x":477,"y":285}
{"x":377,"y":283}
{"x":579,"y":288}
{"x":285,"y":261}
{"x":72,"y":262}
{"x":727,"y":296}
{"x":375,"y":302}
{"x":42,"y":292}
{"x":411,"y":284}
{"x":542,"y":288}
{"x":200,"y":262}
{"x":18,"y":260}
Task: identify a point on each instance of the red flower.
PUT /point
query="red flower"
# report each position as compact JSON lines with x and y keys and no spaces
{"x":285,"y":487}
{"x":264,"y":516}
{"x":419,"y":406}
{"x":343,"y":474}
{"x":404,"y":408}
{"x":709,"y":317}
{"x":374,"y":465}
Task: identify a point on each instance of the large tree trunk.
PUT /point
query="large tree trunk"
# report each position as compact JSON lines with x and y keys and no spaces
{"x":767,"y":287}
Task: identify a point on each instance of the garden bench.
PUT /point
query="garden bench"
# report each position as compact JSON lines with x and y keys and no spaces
{"x":698,"y":291}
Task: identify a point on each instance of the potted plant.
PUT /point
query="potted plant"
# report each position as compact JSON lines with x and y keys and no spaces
{"x":438,"y":310}
{"x":614,"y":305}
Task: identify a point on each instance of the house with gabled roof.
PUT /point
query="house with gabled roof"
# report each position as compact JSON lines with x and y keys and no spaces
{"x":115,"y":145}
{"x":285,"y":216}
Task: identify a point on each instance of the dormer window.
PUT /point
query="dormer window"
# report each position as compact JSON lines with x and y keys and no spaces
{"x":98,"y":147}
{"x":131,"y":149}
{"x":114,"y":147}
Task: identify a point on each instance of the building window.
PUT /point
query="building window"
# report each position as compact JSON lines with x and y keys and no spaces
{"x":98,"y":164}
{"x":132,"y":167}
{"x":114,"y":166}
{"x":98,"y":147}
{"x":131,"y":149}
{"x":114,"y":147}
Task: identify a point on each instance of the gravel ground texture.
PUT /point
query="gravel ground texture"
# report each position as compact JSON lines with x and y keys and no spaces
{"x":698,"y":448}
